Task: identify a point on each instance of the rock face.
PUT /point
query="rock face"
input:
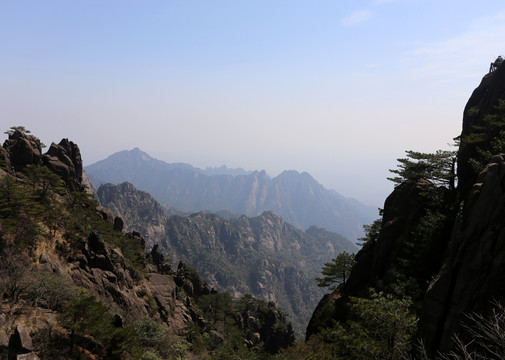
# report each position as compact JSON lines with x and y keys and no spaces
{"x":138,"y":210}
{"x":471,"y":277}
{"x":263,"y":256}
{"x":64,"y":159}
{"x":453,"y":241}
{"x":483,"y":102}
{"x":20,"y":345}
{"x":380,"y":260}
{"x":22,"y":150}
{"x":297,"y":197}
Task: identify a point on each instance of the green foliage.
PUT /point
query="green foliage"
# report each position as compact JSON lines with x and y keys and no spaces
{"x":337,"y":271}
{"x":487,"y":137}
{"x":438,"y":167}
{"x":371,"y":232}
{"x":150,"y":333}
{"x":12,"y":129}
{"x":19,"y":211}
{"x":217,"y":308}
{"x":87,"y":317}
{"x":381,"y":328}
{"x":150,"y":355}
{"x":24,"y":130}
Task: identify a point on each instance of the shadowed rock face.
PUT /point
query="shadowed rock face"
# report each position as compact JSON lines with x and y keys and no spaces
{"x":379,"y":260}
{"x":464,"y":259}
{"x":22,"y":150}
{"x":64,"y":159}
{"x":472,"y":276}
{"x":482,"y":102}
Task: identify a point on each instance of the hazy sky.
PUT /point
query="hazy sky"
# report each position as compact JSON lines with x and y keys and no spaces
{"x":335,"y":88}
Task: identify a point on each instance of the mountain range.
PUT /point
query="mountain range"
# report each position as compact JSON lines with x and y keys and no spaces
{"x":297,"y":197}
{"x":263,"y":255}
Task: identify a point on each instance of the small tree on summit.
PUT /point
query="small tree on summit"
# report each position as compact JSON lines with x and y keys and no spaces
{"x":12,"y":129}
{"x":337,"y":271}
{"x":24,"y":130}
{"x":438,"y":167}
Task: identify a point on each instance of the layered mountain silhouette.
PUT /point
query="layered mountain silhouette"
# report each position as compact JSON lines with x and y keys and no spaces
{"x":297,"y":197}
{"x":262,"y":255}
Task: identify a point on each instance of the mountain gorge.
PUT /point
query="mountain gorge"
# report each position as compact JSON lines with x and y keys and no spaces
{"x":296,"y":197}
{"x":263,"y":255}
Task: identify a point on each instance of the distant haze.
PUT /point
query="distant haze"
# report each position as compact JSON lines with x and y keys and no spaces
{"x":336,"y":89}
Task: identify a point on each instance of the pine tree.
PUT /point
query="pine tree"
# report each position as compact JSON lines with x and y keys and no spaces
{"x":337,"y":271}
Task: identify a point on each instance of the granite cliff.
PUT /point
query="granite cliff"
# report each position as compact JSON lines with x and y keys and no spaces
{"x":440,"y":248}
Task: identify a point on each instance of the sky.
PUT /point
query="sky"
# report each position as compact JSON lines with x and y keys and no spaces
{"x":339,"y":89}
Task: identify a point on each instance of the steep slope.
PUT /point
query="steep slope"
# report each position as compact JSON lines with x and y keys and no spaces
{"x":470,"y":279}
{"x":298,"y":198}
{"x":441,"y":250}
{"x":263,"y":255}
{"x":73,"y":286}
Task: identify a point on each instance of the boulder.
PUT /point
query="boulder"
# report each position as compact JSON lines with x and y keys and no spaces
{"x":65,"y":160}
{"x":20,"y":344}
{"x":105,"y":213}
{"x":4,"y":340}
{"x":29,"y":356}
{"x":22,"y":150}
{"x":118,"y":224}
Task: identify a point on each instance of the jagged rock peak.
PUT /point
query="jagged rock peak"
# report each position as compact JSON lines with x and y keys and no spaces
{"x":22,"y":150}
{"x":64,"y":159}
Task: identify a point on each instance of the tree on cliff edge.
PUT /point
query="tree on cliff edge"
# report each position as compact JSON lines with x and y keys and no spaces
{"x":337,"y":271}
{"x":438,"y":167}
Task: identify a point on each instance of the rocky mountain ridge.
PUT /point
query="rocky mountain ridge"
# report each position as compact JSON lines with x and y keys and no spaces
{"x":263,"y":255}
{"x":297,"y":197}
{"x":73,"y":285}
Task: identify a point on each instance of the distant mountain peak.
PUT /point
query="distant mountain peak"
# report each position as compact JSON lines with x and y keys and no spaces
{"x":297,"y":197}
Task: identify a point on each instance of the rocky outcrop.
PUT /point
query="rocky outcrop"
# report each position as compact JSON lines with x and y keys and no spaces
{"x":483,"y":102}
{"x":5,"y":162}
{"x":65,"y":160}
{"x":137,"y":209}
{"x":21,"y":346}
{"x":22,"y":150}
{"x":400,"y":248}
{"x":472,"y":275}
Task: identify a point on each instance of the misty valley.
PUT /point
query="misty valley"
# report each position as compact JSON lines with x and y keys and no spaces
{"x":135,"y":258}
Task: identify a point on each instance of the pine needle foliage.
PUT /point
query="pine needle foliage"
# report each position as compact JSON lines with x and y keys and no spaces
{"x":337,"y":271}
{"x":438,"y":167}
